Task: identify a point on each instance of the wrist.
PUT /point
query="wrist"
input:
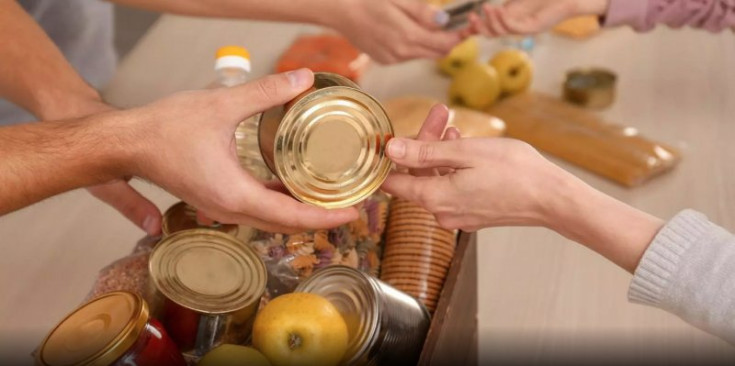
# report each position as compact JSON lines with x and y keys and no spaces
{"x":124,"y":141}
{"x":52,"y":106}
{"x":332,"y":14}
{"x":592,"y":7}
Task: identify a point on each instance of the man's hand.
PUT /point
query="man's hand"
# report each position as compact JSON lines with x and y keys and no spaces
{"x":187,"y":147}
{"x":391,"y":31}
{"x":522,"y":17}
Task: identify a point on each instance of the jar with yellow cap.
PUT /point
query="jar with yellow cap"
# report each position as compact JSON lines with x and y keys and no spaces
{"x":232,"y":66}
{"x":113,"y":329}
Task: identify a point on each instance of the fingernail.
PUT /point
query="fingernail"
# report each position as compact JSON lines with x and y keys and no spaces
{"x":299,"y":78}
{"x":397,"y":148}
{"x":441,"y":18}
{"x":149,"y":225}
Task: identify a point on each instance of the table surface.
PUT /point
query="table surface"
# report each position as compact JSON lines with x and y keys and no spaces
{"x":538,"y":292}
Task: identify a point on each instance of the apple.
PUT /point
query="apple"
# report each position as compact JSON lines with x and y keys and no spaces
{"x":476,"y":86}
{"x":463,"y":54}
{"x":515,"y":70}
{"x":233,"y":355}
{"x":300,"y":329}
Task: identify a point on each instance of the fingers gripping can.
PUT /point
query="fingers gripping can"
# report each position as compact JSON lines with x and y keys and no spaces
{"x":327,"y":145}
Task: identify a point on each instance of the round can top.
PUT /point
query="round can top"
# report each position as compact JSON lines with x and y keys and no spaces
{"x":207,"y":271}
{"x":182,"y":216}
{"x":330,"y":145}
{"x":585,"y":79}
{"x":97,"y":333}
{"x":355,"y":295}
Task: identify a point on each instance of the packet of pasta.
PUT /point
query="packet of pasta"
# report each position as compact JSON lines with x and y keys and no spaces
{"x":582,"y":138}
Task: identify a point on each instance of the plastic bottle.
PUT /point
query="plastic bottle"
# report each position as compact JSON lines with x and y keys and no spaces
{"x":232,"y":67}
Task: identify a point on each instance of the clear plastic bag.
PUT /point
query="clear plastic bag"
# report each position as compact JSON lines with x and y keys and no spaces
{"x":292,"y":258}
{"x":129,"y":273}
{"x":614,"y":151}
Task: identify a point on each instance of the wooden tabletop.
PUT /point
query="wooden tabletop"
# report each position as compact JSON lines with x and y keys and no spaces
{"x":539,"y":293}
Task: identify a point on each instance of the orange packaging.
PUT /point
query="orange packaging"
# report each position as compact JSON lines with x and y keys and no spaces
{"x":324,"y":52}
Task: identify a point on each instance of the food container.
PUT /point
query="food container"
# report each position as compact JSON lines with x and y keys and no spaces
{"x":590,"y":88}
{"x":182,"y":216}
{"x":386,"y":326}
{"x":114,"y":329}
{"x":208,"y":286}
{"x":327,"y":146}
{"x":418,"y":252}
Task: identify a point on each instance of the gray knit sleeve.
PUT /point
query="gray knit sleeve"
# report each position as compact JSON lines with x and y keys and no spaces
{"x":689,"y":270}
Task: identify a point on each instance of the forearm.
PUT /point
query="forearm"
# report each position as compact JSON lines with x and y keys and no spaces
{"x":40,"y":160}
{"x":305,"y":11}
{"x":644,"y":15}
{"x":33,"y":72}
{"x":607,"y":226}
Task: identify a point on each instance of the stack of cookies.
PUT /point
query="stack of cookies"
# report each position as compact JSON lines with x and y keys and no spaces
{"x":417,"y":252}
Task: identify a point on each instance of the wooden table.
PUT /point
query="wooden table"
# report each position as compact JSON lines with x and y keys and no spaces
{"x":540,"y":296}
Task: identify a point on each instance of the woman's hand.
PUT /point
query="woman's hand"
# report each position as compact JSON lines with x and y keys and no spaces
{"x":391,"y":31}
{"x":471,"y":184}
{"x":521,"y":17}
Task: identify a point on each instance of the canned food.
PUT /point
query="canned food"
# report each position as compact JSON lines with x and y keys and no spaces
{"x":208,"y":287}
{"x":182,"y":216}
{"x":386,"y":326}
{"x":113,"y":329}
{"x":327,"y":146}
{"x":591,"y":88}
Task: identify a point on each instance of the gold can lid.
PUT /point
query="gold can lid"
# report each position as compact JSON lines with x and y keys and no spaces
{"x":207,"y":271}
{"x":182,"y":216}
{"x":355,"y":296}
{"x":330,"y":145}
{"x":97,"y":333}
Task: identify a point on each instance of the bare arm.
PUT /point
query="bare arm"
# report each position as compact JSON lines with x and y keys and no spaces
{"x":44,"y":159}
{"x":389,"y":31}
{"x":33,"y":72}
{"x":182,"y":143}
{"x":516,"y":186}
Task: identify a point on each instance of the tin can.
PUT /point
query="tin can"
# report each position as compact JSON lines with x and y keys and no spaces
{"x":385,"y":325}
{"x":327,"y":146}
{"x":207,"y":287}
{"x":590,"y":88}
{"x":182,"y":216}
{"x":113,"y":329}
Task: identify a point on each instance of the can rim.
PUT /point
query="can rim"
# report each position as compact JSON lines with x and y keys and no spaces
{"x":381,"y":166}
{"x":166,"y":279}
{"x":370,"y":316}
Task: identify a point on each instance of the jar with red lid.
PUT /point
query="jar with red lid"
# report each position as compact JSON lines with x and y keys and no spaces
{"x":113,"y":329}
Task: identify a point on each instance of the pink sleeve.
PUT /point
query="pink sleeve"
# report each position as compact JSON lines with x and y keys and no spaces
{"x":644,"y":15}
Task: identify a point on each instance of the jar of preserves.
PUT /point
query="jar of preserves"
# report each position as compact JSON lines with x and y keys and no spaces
{"x":113,"y":329}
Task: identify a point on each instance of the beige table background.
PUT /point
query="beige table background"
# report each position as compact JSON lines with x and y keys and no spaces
{"x":539,"y":294}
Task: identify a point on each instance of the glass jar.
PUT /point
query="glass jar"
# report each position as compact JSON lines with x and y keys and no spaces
{"x":113,"y":329}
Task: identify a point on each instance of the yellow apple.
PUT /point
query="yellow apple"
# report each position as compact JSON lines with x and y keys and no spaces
{"x":476,"y":86}
{"x":463,"y":54}
{"x":515,"y":70}
{"x":233,"y":355}
{"x":300,"y":329}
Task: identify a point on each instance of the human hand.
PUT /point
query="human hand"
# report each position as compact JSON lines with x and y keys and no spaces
{"x":117,"y":193}
{"x":391,"y":31}
{"x":489,"y":182}
{"x":521,"y":17}
{"x":185,"y":144}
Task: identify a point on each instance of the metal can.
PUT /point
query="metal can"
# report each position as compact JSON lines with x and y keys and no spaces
{"x":590,"y":88}
{"x":385,"y":325}
{"x":208,"y":287}
{"x":327,"y":146}
{"x":182,"y":216}
{"x":113,"y":329}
